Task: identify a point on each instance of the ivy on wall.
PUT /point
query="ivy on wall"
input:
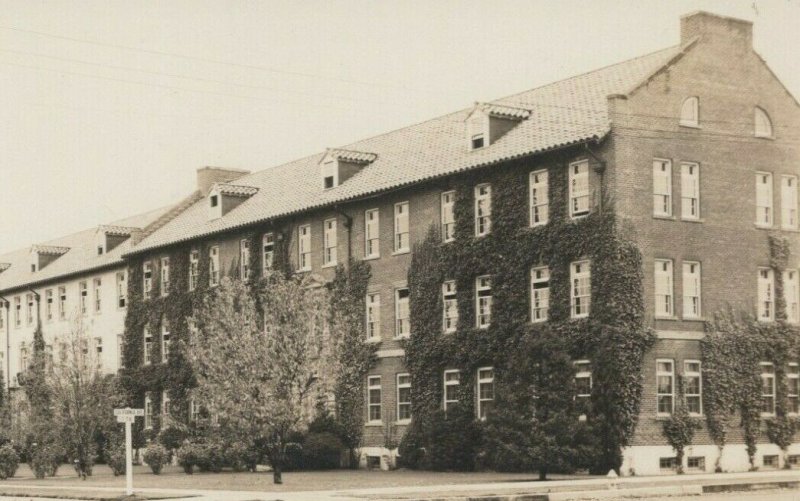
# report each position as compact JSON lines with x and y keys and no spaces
{"x":613,"y":337}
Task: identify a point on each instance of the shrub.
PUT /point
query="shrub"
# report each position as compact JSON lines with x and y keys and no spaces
{"x":241,"y":456}
{"x":156,"y":456}
{"x":116,"y":460}
{"x":172,"y":437}
{"x":45,"y":460}
{"x":449,"y":441}
{"x":9,"y":461}
{"x":294,"y":456}
{"x":188,"y":455}
{"x":322,"y":451}
{"x":210,"y":457}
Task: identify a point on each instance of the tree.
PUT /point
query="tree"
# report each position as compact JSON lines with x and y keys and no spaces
{"x":535,"y":424}
{"x":263,"y":382}
{"x":83,"y":397}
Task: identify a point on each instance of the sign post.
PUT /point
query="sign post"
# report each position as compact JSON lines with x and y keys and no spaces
{"x":128,"y":416}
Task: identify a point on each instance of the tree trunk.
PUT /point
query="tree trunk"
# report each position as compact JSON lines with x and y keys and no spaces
{"x":353,"y":458}
{"x":276,"y":474}
{"x":542,"y":473}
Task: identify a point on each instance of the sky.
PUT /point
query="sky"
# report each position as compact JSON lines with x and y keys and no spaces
{"x":107,"y":108}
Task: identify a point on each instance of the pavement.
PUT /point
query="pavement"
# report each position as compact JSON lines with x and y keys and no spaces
{"x":557,"y":490}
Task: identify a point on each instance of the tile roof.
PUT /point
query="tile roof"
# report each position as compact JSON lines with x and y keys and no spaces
{"x":356,"y":157}
{"x":54,"y":250}
{"x":122,"y":231}
{"x":80,"y":254}
{"x":562,"y":113}
{"x":502,"y":111}
{"x":236,"y":190}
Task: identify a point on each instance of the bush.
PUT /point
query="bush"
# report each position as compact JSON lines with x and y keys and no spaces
{"x":322,"y":451}
{"x":242,"y":457}
{"x":9,"y":461}
{"x":116,"y":460}
{"x":188,"y":455}
{"x":449,"y":441}
{"x":172,"y":438}
{"x":156,"y":456}
{"x":45,"y":460}
{"x":210,"y":457}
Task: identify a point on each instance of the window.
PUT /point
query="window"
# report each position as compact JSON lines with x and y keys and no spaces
{"x":483,"y":301}
{"x":662,"y":188}
{"x":329,"y":174}
{"x":583,"y":382}
{"x":791,"y":293}
{"x":98,"y":348}
{"x":164,"y":285}
{"x":580,"y":289}
{"x":164,"y":339}
{"x":449,"y":306}
{"x":690,"y":191}
{"x":579,"y":189}
{"x":403,"y":397}
{"x":770,"y":461}
{"x":194,"y":411}
{"x":62,"y":303}
{"x":665,"y":386}
{"x":122,"y":290}
{"x":148,"y":412}
{"x":691,"y":290}
{"x":401,"y":235}
{"x":165,"y":401}
{"x":763,"y":123}
{"x":693,"y":387}
{"x":98,"y":294}
{"x":696,"y":463}
{"x":767,"y":389}
{"x":147,"y":272}
{"x":148,"y":346}
{"x":483,"y":209}
{"x":213,"y":266}
{"x":244,"y":259}
{"x":663,"y":281}
{"x":374,"y":398}
{"x":268,"y":251}
{"x":452,"y":378}
{"x":766,"y":294}
{"x":17,"y":312}
{"x":23,"y":358}
{"x":194,"y":269}
{"x":477,"y":126}
{"x":401,"y":313}
{"x":448,"y":216}
{"x":373,"y":316}
{"x":540,"y":293}
{"x":29,"y":310}
{"x":794,"y":459}
{"x":668,"y":463}
{"x":372,"y":239}
{"x":214,"y":200}
{"x":48,"y":306}
{"x":83,"y":297}
{"x":304,"y":247}
{"x":763,"y":199}
{"x":539,"y":198}
{"x":690,"y":113}
{"x":789,"y":202}
{"x":485,"y":391}
{"x":121,"y":350}
{"x":329,"y":242}
{"x":2,"y":318}
{"x":793,"y":388}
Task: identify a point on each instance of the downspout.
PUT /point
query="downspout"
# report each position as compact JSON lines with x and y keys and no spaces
{"x":7,"y":306}
{"x":600,"y":169}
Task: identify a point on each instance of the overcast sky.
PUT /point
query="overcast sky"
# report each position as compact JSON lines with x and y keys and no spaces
{"x":108,"y":107}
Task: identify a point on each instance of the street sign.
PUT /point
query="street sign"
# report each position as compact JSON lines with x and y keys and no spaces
{"x":125,"y":419}
{"x":128,"y":416}
{"x":128,"y":412}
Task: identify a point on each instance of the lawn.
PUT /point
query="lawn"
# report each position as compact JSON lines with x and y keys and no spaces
{"x":173,"y":478}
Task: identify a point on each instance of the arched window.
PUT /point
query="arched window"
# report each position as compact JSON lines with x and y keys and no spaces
{"x":690,"y":112}
{"x":763,"y":123}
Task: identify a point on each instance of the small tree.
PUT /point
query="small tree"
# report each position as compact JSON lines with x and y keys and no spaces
{"x":679,"y":429}
{"x":262,"y":382}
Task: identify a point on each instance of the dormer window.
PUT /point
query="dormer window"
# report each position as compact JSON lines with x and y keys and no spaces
{"x":489,"y":122}
{"x":690,"y":112}
{"x":763,"y":125}
{"x":42,"y":255}
{"x":214,"y":200}
{"x":108,"y":237}
{"x":224,"y":197}
{"x":337,"y":166}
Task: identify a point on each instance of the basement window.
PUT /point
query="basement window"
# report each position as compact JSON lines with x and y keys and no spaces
{"x":696,"y":463}
{"x":770,"y":461}
{"x":668,"y":463}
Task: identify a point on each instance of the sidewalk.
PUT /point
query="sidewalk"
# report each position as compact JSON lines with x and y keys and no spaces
{"x":557,"y":490}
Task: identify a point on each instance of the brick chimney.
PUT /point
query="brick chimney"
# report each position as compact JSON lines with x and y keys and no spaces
{"x":712,"y":28}
{"x":207,"y":176}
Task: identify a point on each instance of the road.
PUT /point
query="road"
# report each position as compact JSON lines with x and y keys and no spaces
{"x":765,"y":495}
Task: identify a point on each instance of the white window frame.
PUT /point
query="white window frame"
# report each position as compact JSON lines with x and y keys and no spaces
{"x":692,"y":290}
{"x":122,"y":290}
{"x":766,"y":294}
{"x":62,"y":302}
{"x":330,"y":169}
{"x":48,"y":306}
{"x":374,"y":384}
{"x":164,"y":285}
{"x":213,"y":268}
{"x":449,"y":307}
{"x":483,"y":209}
{"x":372,"y":234}
{"x":97,"y":285}
{"x":400,"y":403}
{"x":662,"y":187}
{"x":194,"y":268}
{"x":664,"y":288}
{"x":764,"y":199}
{"x":540,"y":293}
{"x":267,"y":251}
{"x":147,"y":338}
{"x":402,"y":313}
{"x":659,"y":394}
{"x":690,"y":112}
{"x":789,"y":202}
{"x":121,"y":350}
{"x":148,"y":411}
{"x":481,"y":400}
{"x":483,"y":302}
{"x":165,"y":401}
{"x":791,"y":294}
{"x":538,"y":197}
{"x":690,"y":191}
{"x":793,"y":394}
{"x":583,"y":372}
{"x":17,"y":312}
{"x":147,"y":278}
{"x":402,"y":231}
{"x":165,"y":339}
{"x":579,"y":192}
{"x":329,"y":242}
{"x":580,"y":293}
{"x":304,"y":247}
{"x":448,"y":218}
{"x":244,"y":259}
{"x":688,"y":372}
{"x":767,"y":376}
{"x":373,"y":316}
{"x":83,"y":298}
{"x":448,"y":383}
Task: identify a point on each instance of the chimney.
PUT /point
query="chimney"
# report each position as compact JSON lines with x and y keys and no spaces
{"x":207,"y":176}
{"x":712,"y":28}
